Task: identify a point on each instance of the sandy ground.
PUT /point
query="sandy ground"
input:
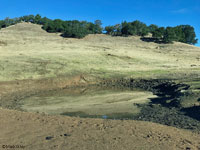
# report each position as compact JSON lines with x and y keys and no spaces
{"x":28,"y":53}
{"x":42,"y":132}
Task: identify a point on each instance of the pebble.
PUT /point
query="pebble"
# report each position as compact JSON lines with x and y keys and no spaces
{"x":49,"y":137}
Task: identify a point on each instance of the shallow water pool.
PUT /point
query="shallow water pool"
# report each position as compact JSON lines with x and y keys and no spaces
{"x":88,"y":102}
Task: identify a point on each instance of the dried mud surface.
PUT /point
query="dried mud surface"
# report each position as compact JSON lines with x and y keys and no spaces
{"x":41,"y":132}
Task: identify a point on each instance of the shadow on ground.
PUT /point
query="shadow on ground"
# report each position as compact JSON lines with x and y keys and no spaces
{"x":150,"y":39}
{"x":193,"y":112}
{"x":167,"y":110}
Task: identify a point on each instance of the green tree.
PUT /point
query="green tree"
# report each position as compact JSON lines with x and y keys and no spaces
{"x":158,"y":33}
{"x":134,"y":28}
{"x":45,"y":20}
{"x":29,"y":18}
{"x":189,"y":33}
{"x":127,"y":29}
{"x":152,"y":28}
{"x":117,"y":30}
{"x":185,"y":34}
{"x":79,"y":29}
{"x":58,"y":25}
{"x":75,"y":29}
{"x":2,"y":24}
{"x":49,"y":27}
{"x":38,"y":19}
{"x":169,"y":35}
{"x":98,"y":27}
{"x":180,"y":36}
{"x":110,"y":30}
{"x":139,"y":28}
{"x":91,"y":28}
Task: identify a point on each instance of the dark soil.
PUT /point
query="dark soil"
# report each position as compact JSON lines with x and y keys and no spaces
{"x":165,"y":109}
{"x":168,"y":116}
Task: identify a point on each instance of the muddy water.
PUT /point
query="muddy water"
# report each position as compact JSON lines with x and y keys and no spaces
{"x":88,"y":102}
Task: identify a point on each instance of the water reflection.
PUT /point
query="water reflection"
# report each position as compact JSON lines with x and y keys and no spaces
{"x":91,"y":102}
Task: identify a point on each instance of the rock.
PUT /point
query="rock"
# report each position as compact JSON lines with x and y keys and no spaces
{"x":49,"y":137}
{"x":66,"y":134}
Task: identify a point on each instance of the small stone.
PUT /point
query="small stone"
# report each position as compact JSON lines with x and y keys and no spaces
{"x":148,"y":136}
{"x":49,"y":137}
{"x":66,"y":134}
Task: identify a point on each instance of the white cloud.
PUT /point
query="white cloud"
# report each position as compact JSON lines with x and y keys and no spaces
{"x":179,"y":11}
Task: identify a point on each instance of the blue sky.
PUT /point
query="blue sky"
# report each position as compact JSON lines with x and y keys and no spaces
{"x":160,"y":12}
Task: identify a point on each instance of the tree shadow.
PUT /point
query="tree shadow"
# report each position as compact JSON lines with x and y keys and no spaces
{"x":168,"y":94}
{"x":151,"y":39}
{"x":168,"y":102}
{"x":193,"y":112}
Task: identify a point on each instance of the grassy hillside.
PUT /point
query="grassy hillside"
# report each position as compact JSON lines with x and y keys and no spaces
{"x":28,"y":52}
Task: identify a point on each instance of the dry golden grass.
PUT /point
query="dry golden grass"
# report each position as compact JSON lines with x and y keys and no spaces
{"x":32,"y":53}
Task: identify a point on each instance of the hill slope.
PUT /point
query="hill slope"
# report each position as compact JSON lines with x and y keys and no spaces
{"x":29,"y":56}
{"x":31,"y":53}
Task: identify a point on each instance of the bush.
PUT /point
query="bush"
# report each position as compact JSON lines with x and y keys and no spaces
{"x":181,"y":33}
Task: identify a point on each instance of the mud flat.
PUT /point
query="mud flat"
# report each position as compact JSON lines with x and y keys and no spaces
{"x":87,"y":102}
{"x":156,"y":100}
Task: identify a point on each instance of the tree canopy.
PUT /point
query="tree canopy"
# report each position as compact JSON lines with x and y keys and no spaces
{"x":74,"y":28}
{"x":181,"y":33}
{"x":79,"y":29}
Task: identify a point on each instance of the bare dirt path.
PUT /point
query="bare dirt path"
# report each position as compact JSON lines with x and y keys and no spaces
{"x":39,"y":132}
